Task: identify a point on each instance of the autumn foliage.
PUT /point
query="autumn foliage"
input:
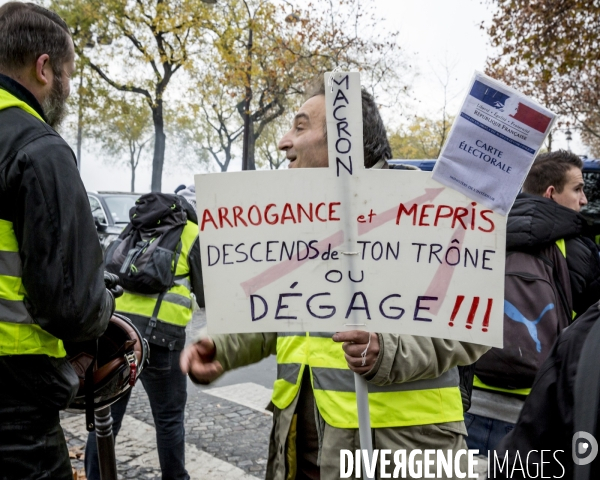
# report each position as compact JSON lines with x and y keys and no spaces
{"x":218,"y":75}
{"x":550,"y":49}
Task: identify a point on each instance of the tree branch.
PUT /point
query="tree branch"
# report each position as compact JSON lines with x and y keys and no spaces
{"x":121,"y":87}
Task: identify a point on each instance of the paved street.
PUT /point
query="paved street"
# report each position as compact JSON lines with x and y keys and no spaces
{"x":227,"y":427}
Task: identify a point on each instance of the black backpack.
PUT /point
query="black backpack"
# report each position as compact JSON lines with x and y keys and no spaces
{"x":145,"y":255}
{"x":537,"y":307}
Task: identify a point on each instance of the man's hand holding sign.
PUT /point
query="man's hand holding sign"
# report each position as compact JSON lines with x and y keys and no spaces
{"x":354,"y":251}
{"x":361,"y":349}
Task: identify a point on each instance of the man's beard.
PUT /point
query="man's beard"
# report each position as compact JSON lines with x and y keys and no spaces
{"x":54,"y":105}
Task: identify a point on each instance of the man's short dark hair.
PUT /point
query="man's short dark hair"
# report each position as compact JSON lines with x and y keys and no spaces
{"x":28,"y":31}
{"x":550,"y":169}
{"x":376,"y":145}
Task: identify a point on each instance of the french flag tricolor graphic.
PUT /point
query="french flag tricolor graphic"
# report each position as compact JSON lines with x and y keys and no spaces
{"x":532,"y":118}
{"x":500,"y":101}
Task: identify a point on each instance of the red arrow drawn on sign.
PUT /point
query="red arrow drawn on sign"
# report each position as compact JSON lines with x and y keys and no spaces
{"x":381,"y":218}
{"x":276,"y":272}
{"x":441,"y":280}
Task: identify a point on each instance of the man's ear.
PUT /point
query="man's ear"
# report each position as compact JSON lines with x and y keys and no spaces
{"x":43,"y":69}
{"x":549,"y":192}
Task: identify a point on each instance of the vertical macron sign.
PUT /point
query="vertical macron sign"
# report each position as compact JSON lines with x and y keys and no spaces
{"x":346,"y":248}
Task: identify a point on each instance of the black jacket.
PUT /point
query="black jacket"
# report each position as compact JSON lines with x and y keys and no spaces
{"x":43,"y":196}
{"x":546,"y":421}
{"x":535,"y":221}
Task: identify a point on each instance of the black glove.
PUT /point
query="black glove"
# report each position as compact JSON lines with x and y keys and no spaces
{"x":111,"y":281}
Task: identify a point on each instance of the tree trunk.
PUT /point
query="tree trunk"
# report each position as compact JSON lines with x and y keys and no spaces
{"x":79,"y":137}
{"x":79,"y":120}
{"x":159,"y":146}
{"x":251,"y":143}
{"x":225,"y":165}
{"x":132,"y":164}
{"x":247,"y":127}
{"x":248,"y":147}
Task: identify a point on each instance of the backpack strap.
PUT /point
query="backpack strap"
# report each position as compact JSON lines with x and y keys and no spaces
{"x":587,"y":395}
{"x":153,"y":318}
{"x":161,"y":295}
{"x":177,"y":254}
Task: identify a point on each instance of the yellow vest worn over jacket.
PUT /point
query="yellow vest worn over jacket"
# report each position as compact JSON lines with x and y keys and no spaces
{"x":421,"y":402}
{"x":175,"y":307}
{"x":19,"y":334}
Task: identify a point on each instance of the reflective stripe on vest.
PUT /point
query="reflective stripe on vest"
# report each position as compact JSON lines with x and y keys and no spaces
{"x":176,"y":305}
{"x":515,"y":391}
{"x":19,"y":335}
{"x":421,"y":402}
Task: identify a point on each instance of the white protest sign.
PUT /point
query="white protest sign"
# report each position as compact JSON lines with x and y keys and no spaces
{"x":345,"y":248}
{"x":493,"y":143}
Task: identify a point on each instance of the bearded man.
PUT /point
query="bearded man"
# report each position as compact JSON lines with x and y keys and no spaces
{"x":51,"y":272}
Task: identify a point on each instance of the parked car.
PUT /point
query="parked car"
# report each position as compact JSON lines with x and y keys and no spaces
{"x":591,"y":178}
{"x":426,"y":165}
{"x":111,"y":213}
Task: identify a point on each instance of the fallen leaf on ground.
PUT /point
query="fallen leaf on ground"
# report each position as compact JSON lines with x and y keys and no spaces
{"x":76,"y":452}
{"x":79,"y":474}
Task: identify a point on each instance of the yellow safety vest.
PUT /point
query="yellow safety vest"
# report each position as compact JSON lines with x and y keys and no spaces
{"x":421,"y":402}
{"x":19,"y":334}
{"x":176,"y":305}
{"x":7,"y":100}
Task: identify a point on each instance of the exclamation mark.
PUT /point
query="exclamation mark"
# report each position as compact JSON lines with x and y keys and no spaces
{"x":459,"y":300}
{"x":486,"y":318}
{"x":472,"y":312}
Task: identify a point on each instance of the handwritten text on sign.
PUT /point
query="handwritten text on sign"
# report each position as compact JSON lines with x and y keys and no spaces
{"x":326,"y":250}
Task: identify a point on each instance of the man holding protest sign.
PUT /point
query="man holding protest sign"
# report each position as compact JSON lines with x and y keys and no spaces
{"x":413,"y":380}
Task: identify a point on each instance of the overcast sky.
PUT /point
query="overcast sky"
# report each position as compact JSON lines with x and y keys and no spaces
{"x":439,"y":37}
{"x":435,"y":34}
